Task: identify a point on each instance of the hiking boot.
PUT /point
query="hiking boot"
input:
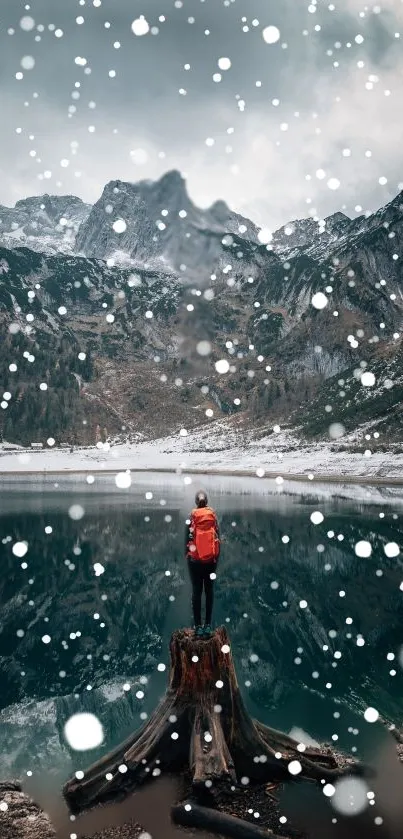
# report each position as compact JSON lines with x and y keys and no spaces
{"x":199,"y":633}
{"x":207,"y":630}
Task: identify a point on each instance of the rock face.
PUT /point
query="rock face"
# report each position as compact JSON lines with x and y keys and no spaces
{"x":308,"y":233}
{"x":150,"y":221}
{"x":20,"y":817}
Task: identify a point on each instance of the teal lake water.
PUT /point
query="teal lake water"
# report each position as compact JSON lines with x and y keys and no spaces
{"x":299,"y":666}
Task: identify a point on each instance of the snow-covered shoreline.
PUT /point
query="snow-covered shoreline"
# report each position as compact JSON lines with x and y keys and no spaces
{"x":276,"y":456}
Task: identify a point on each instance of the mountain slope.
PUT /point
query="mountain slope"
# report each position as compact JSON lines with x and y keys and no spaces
{"x":152,"y":337}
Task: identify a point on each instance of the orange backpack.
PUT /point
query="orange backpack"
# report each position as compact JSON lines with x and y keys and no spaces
{"x":204,"y":543}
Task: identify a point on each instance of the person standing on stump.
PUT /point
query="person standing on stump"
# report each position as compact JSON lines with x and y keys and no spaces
{"x":202,"y":550}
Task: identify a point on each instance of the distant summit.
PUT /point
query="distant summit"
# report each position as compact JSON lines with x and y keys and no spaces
{"x":156,"y":223}
{"x":47,"y":223}
{"x":156,"y":220}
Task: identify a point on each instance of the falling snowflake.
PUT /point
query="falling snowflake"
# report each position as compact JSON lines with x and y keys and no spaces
{"x":319,"y":300}
{"x":271,"y":34}
{"x":123,"y":480}
{"x":294,"y":767}
{"x":371,"y":715}
{"x":350,"y":797}
{"x":265,"y":235}
{"x":140,"y":26}
{"x":363,"y":548}
{"x":119,"y":225}
{"x":317,"y":517}
{"x":83,"y":731}
{"x":368,"y":379}
{"x":20,"y":549}
{"x":139,"y":156}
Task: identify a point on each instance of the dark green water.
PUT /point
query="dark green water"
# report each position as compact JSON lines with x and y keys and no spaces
{"x":297,"y":667}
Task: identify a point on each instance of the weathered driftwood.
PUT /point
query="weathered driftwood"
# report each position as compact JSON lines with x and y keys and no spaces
{"x":189,"y":814}
{"x":201,"y":724}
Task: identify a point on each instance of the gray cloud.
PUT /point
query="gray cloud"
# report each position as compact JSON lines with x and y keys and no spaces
{"x":260,"y":168}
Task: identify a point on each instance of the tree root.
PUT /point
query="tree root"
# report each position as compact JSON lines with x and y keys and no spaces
{"x":189,"y":814}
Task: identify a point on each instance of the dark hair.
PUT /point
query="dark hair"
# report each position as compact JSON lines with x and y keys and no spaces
{"x":201,"y":498}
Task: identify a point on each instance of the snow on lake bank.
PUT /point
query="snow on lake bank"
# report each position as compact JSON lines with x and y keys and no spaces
{"x":280,"y":455}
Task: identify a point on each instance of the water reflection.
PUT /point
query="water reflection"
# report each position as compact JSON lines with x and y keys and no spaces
{"x":297,"y":664}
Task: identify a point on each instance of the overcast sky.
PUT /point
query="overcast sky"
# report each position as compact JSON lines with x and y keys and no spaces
{"x":336,"y":73}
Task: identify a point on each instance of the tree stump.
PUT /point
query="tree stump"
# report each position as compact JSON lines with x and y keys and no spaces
{"x":202,"y":726}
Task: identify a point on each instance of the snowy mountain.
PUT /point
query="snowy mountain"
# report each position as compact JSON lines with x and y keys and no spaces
{"x":303,"y":232}
{"x":48,"y":223}
{"x":153,"y":307}
{"x":150,"y":221}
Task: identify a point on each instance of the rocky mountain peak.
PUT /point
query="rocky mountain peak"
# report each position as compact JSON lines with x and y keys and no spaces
{"x":168,"y":193}
{"x":52,"y":204}
{"x":337,"y":222}
{"x":47,"y":223}
{"x":220,"y":210}
{"x":173,"y":179}
{"x":160,"y":222}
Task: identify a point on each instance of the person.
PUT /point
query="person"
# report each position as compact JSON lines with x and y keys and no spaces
{"x":202,"y":551}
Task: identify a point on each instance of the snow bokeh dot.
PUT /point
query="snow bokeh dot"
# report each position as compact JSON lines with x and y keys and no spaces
{"x":368,"y":379}
{"x":363,"y":548}
{"x":294,"y":767}
{"x":317,"y":517}
{"x":319,"y":300}
{"x":27,"y":23}
{"x":140,"y":26}
{"x":83,"y":731}
{"x":265,"y":235}
{"x":119,"y":225}
{"x":76,"y":512}
{"x":336,"y":430}
{"x":371,"y":715}
{"x":139,"y":157}
{"x":20,"y":549}
{"x":203,"y":348}
{"x":123,"y":480}
{"x":350,"y":797}
{"x":28,"y":62}
{"x":271,"y":34}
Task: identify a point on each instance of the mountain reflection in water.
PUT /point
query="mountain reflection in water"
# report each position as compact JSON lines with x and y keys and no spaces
{"x":298,"y":665}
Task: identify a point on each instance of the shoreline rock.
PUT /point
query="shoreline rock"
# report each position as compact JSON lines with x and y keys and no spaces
{"x":20,"y":816}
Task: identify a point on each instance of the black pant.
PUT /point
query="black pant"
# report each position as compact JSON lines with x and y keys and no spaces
{"x":200,"y":578}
